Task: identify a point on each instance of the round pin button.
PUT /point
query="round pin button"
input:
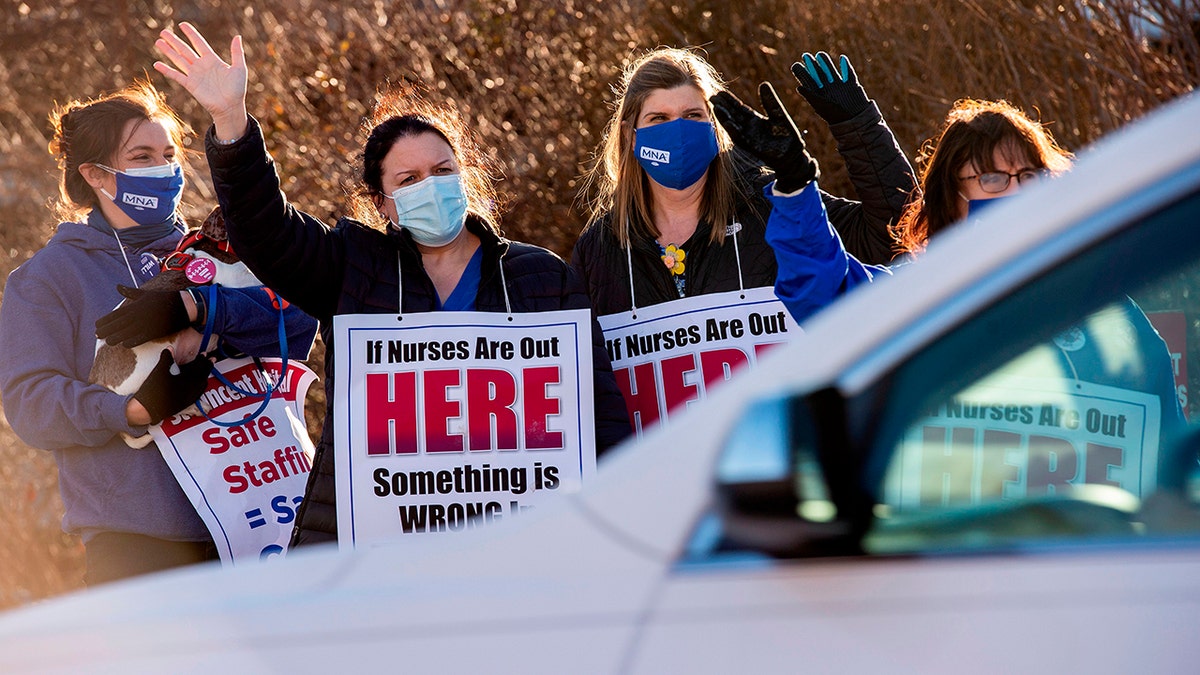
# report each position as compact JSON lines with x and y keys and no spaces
{"x":1071,"y":339}
{"x":200,"y":271}
{"x":148,"y":265}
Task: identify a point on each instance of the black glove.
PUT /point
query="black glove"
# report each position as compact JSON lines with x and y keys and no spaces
{"x":773,"y":139}
{"x":164,"y":394}
{"x":833,"y":92}
{"x":145,"y":315}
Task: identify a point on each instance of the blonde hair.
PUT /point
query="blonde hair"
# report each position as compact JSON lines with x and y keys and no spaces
{"x":618,"y":184}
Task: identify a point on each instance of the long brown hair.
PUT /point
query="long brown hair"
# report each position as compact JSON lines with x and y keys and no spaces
{"x":972,"y":133}
{"x":401,"y":112}
{"x":93,"y":131}
{"x":617,"y":184}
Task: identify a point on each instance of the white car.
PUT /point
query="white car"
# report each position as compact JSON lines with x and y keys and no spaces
{"x":968,"y":467}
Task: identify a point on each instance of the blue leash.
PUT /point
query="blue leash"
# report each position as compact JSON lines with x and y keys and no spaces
{"x":211,"y":291}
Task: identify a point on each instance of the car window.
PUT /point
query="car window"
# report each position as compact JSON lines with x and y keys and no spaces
{"x":1058,"y":414}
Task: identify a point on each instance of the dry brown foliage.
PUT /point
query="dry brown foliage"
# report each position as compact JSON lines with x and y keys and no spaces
{"x":534,"y":78}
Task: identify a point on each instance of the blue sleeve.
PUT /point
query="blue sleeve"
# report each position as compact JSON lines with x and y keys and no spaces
{"x":44,"y":360}
{"x":814,"y":267}
{"x":247,"y":320}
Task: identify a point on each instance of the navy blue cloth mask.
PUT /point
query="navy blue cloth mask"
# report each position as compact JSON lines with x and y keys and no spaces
{"x":677,"y":153}
{"x":148,"y":196}
{"x":976,"y":207}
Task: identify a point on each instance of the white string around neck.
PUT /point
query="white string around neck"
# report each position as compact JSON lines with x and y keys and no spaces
{"x":734,"y":228}
{"x":125,"y":256}
{"x":400,"y":287}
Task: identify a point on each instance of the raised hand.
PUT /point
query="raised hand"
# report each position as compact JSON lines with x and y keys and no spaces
{"x":218,"y":86}
{"x":834,"y":92}
{"x":773,"y":139}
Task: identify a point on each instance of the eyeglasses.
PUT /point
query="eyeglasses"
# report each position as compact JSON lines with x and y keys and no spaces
{"x":998,"y":181}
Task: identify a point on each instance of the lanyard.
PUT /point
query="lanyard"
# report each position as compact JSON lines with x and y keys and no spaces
{"x":211,"y":291}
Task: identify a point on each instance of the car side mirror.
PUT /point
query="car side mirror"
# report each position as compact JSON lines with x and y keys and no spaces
{"x":771,"y":495}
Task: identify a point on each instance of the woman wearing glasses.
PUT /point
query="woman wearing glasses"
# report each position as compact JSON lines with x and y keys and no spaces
{"x":990,"y":150}
{"x":987,"y":150}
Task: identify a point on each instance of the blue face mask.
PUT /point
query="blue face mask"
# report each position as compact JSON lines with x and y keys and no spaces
{"x":433,"y":210}
{"x":975,"y":207}
{"x":149,"y":196}
{"x":677,"y":153}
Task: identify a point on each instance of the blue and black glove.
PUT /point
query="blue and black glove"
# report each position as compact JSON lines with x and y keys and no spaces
{"x":834,"y":92}
{"x":164,"y":394}
{"x":773,"y":139}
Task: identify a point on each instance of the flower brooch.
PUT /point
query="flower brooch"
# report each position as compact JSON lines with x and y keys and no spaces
{"x":673,"y":258}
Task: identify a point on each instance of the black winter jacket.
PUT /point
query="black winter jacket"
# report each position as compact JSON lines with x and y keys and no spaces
{"x":352,"y":269}
{"x":881,"y":175}
{"x":883,"y":179}
{"x":711,"y":268}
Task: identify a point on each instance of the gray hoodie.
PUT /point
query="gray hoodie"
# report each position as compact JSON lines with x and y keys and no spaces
{"x":47,"y":345}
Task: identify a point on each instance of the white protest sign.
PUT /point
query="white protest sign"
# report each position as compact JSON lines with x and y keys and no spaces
{"x":671,"y":354}
{"x":246,"y":480}
{"x":1026,"y":438}
{"x":446,"y":420}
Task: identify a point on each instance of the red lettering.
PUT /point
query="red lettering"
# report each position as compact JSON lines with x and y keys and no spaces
{"x":677,"y":392}
{"x":252,"y":471}
{"x":247,"y":433}
{"x":1101,"y":458}
{"x":216,"y":441}
{"x":491,"y":394}
{"x":237,"y":435}
{"x":237,"y":482}
{"x":995,"y":472}
{"x":719,"y":365}
{"x":947,"y":468}
{"x":391,"y":410}
{"x":1052,"y":464}
{"x":440,"y":409}
{"x":540,"y":407}
{"x":641,"y":394}
{"x":240,"y":435}
{"x":763,"y":348}
{"x":270,"y":473}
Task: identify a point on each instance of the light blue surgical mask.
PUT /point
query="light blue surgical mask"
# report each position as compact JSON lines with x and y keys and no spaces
{"x":433,"y":210}
{"x":677,"y":153}
{"x":148,"y":195}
